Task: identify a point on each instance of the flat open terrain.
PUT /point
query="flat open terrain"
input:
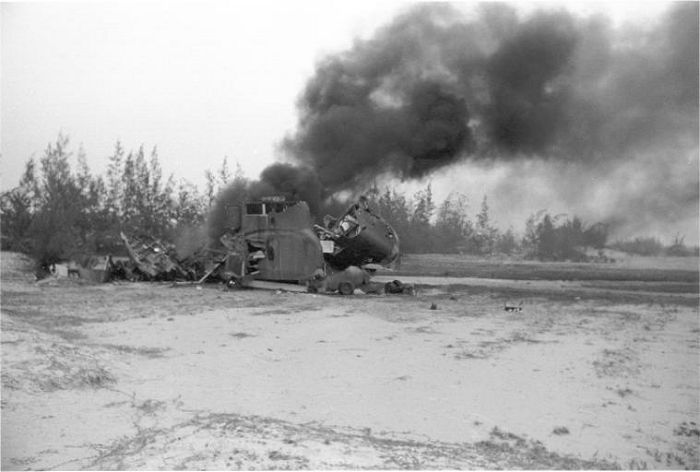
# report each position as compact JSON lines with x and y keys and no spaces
{"x":599,"y":370}
{"x":625,"y":267}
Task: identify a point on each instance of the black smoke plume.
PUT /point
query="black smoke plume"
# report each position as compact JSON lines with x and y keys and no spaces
{"x":280,"y":179}
{"x":383,"y":106}
{"x":429,"y":86}
{"x":436,"y":86}
{"x":527,"y":106}
{"x":293,"y":182}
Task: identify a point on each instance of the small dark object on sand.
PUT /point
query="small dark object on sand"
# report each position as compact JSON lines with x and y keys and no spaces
{"x":518,"y":307}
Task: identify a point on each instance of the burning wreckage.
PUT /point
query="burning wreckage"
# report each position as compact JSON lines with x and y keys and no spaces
{"x":272,"y":242}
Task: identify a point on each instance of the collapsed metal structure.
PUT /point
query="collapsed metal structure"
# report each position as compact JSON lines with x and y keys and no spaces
{"x":152,"y":259}
{"x":358,"y":238}
{"x":274,"y":240}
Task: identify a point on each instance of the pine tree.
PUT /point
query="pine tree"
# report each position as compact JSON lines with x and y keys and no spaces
{"x":160,"y":203}
{"x":485,"y":235}
{"x":418,"y":236}
{"x":115,"y":182}
{"x":546,"y":239}
{"x":507,"y":243}
{"x":452,"y":226}
{"x":17,"y":209}
{"x":129,"y":194}
{"x":92,"y":216}
{"x":190,"y":206}
{"x":54,"y":229}
{"x":224,"y":173}
{"x":423,"y":207}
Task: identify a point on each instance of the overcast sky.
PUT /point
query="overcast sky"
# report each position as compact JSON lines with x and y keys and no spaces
{"x":199,"y":80}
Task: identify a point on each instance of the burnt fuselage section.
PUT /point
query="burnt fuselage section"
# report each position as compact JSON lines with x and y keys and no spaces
{"x":359,"y":237}
{"x":275,"y":242}
{"x":273,"y":239}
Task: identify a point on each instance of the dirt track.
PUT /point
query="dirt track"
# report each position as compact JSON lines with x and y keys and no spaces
{"x":146,"y":376}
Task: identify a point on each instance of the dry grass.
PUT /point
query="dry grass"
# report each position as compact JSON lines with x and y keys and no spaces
{"x":150,"y":352}
{"x":231,"y":441}
{"x":57,"y":367}
{"x":679,"y":270}
{"x":241,"y":335}
{"x":616,"y":363}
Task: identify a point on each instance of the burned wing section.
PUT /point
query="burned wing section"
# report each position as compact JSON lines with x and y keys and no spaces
{"x":153,"y":260}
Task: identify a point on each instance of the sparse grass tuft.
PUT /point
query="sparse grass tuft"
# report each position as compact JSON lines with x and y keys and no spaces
{"x":687,"y":428}
{"x":623,"y":392}
{"x":149,"y":407}
{"x":151,"y":352}
{"x":241,"y":335}
{"x":65,"y":378}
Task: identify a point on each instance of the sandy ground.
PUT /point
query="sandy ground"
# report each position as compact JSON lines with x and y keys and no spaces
{"x":147,"y":376}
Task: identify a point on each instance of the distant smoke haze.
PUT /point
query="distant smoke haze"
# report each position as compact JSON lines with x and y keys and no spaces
{"x":552,"y":110}
{"x":612,"y":193}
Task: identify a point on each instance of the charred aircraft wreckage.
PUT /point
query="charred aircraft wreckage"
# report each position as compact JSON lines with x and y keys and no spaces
{"x":273,"y":243}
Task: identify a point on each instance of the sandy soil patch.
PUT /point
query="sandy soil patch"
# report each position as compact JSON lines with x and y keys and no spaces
{"x":146,"y":376}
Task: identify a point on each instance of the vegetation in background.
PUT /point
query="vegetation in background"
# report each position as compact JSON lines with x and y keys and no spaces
{"x":654,"y":247}
{"x":423,"y":229}
{"x":57,"y":212}
{"x":640,"y":246}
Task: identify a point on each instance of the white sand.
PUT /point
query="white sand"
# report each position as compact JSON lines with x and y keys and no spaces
{"x":622,"y":380}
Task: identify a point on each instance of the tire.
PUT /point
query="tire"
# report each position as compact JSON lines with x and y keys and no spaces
{"x":395,"y":286}
{"x":346,"y":288}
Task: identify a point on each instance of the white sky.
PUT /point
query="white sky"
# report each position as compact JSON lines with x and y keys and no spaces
{"x":201,"y":80}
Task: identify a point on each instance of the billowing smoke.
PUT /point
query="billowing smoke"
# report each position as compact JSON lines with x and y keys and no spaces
{"x":280,"y":179}
{"x":295,"y":183}
{"x":437,"y":87}
{"x":419,"y":94}
{"x":527,"y":103}
{"x":389,"y":105}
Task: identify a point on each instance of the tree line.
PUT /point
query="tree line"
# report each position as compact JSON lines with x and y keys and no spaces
{"x":58,"y":211}
{"x":425,"y":227}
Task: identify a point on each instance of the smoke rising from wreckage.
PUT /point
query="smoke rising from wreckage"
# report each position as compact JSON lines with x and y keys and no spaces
{"x":552,"y":94}
{"x":603,"y":355}
{"x":591,"y":102}
{"x":273,"y":240}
